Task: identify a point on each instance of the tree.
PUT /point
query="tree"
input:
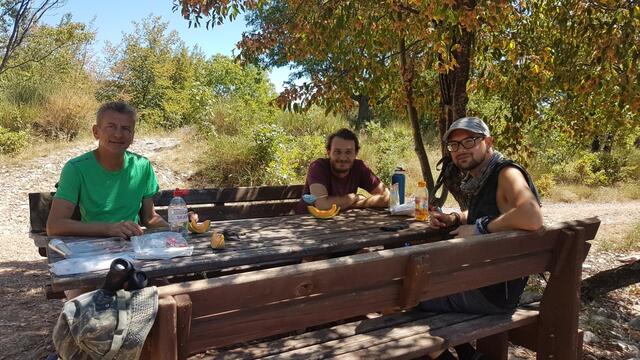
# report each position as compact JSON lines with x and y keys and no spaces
{"x":536,"y":56}
{"x":394,"y":46}
{"x":17,"y":19}
{"x":152,"y":69}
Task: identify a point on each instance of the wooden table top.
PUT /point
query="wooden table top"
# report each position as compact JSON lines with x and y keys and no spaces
{"x":284,"y":239}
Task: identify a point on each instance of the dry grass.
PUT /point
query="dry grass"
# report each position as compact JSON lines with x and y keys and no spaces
{"x":629,"y":243}
{"x":572,"y":193}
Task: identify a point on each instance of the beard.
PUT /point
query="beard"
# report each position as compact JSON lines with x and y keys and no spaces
{"x":341,"y":167}
{"x":469,"y":163}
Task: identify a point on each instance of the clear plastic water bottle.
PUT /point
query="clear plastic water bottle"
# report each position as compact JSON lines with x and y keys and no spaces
{"x":178,"y":213}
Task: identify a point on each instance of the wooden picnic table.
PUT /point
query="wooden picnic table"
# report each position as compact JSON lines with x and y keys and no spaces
{"x":260,"y":241}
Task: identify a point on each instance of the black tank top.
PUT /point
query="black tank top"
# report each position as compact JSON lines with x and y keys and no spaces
{"x":505,"y":295}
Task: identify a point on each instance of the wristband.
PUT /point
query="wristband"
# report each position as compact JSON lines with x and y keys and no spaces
{"x":482,"y":223}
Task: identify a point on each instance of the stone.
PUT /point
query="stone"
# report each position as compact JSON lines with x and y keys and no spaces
{"x":635,"y":323}
{"x":627,"y":348}
{"x":590,"y":337}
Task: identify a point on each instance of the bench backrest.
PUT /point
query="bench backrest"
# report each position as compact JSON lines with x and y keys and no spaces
{"x":237,"y":308}
{"x":217,"y":204}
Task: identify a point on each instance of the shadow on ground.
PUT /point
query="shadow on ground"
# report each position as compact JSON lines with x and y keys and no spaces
{"x":27,"y":317}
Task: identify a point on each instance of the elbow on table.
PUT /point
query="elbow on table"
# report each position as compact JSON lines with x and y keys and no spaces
{"x":54,"y":229}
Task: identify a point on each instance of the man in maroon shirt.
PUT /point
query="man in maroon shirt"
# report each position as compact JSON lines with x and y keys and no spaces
{"x":336,"y":178}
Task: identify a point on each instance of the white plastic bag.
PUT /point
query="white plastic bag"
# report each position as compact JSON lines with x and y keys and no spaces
{"x":408,"y":208}
{"x":79,"y":265}
{"x":160,"y":245}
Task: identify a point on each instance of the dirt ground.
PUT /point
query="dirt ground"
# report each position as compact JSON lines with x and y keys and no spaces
{"x":27,"y":318}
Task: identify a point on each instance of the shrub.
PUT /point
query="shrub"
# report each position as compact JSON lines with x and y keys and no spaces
{"x":292,"y":158}
{"x":595,"y":169}
{"x":386,"y":148}
{"x":16,"y":117}
{"x":226,"y":162}
{"x":545,"y":184}
{"x":65,"y":115}
{"x":12,"y":141}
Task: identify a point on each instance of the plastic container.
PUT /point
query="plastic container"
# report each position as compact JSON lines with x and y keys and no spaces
{"x":160,"y":245}
{"x":178,"y":213}
{"x":422,"y":202}
{"x":394,"y":197}
{"x":399,"y":178}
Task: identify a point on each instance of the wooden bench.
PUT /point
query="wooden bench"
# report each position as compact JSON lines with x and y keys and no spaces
{"x":291,"y":311}
{"x":215,"y":204}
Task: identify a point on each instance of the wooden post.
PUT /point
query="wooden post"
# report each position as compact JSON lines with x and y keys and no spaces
{"x":560,"y":306}
{"x":183,"y":324}
{"x":161,"y":343}
{"x":414,"y":281}
{"x":494,"y":346}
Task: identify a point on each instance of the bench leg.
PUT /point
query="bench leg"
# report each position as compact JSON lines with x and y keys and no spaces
{"x":494,"y":346}
{"x":560,"y":306}
{"x":162,"y":342}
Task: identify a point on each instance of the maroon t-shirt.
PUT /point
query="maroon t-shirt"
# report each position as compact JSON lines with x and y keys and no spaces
{"x":360,"y":176}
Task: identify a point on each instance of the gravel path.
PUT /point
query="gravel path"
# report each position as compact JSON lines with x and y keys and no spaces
{"x":27,"y":318}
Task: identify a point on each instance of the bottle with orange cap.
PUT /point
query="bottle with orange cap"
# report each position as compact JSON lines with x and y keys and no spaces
{"x":422,"y":202}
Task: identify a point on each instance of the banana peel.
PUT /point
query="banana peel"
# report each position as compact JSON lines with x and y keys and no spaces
{"x":323,"y":214}
{"x":199,"y":228}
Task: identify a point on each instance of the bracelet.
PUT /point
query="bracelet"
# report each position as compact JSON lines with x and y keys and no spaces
{"x":457,"y":221}
{"x":482,"y":224}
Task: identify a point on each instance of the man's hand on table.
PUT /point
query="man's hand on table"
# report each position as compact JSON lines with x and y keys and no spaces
{"x":124,"y":229}
{"x":464,"y":231}
{"x":439,"y":220}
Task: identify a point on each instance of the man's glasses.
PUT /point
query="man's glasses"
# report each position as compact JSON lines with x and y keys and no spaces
{"x":466,"y":143}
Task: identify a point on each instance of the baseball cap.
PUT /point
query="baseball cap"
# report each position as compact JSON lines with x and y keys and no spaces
{"x":471,"y":123}
{"x":105,"y":325}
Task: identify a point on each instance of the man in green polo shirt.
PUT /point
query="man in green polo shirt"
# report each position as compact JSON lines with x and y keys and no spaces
{"x":109,"y":184}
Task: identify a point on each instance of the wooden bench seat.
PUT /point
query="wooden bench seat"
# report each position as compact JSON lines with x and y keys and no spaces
{"x":409,"y":334}
{"x":240,"y":309}
{"x":214,"y":204}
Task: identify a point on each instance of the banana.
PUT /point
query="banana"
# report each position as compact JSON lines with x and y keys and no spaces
{"x":324,"y":214}
{"x":200,"y":228}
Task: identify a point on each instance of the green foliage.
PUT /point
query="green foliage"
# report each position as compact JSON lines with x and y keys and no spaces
{"x":386,"y":148}
{"x":544,"y":184}
{"x":172,"y":86}
{"x":53,"y":95}
{"x":599,"y":169}
{"x":12,"y":141}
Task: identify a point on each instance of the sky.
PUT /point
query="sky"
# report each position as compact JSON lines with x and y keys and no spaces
{"x":112,"y":18}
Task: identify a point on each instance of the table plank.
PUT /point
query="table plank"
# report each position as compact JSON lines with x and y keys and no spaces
{"x":263,"y":240}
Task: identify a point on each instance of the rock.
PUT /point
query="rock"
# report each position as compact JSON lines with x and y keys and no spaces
{"x":627,"y":348}
{"x":603,"y":320}
{"x":635,"y":323}
{"x":590,"y":337}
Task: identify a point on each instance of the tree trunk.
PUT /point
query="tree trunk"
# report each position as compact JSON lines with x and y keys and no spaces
{"x":407,"y":73}
{"x":453,"y":105}
{"x":608,"y":143}
{"x":364,"y":110}
{"x":595,"y":144}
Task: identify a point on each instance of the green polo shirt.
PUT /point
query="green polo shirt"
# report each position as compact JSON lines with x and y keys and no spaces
{"x":107,"y":196}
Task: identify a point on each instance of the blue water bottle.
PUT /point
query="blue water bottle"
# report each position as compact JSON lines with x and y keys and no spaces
{"x":399,"y":178}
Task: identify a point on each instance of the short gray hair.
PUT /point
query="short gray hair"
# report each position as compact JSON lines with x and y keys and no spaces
{"x":120,"y":107}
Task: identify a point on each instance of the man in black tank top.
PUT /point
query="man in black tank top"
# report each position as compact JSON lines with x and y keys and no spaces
{"x":503,"y":197}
